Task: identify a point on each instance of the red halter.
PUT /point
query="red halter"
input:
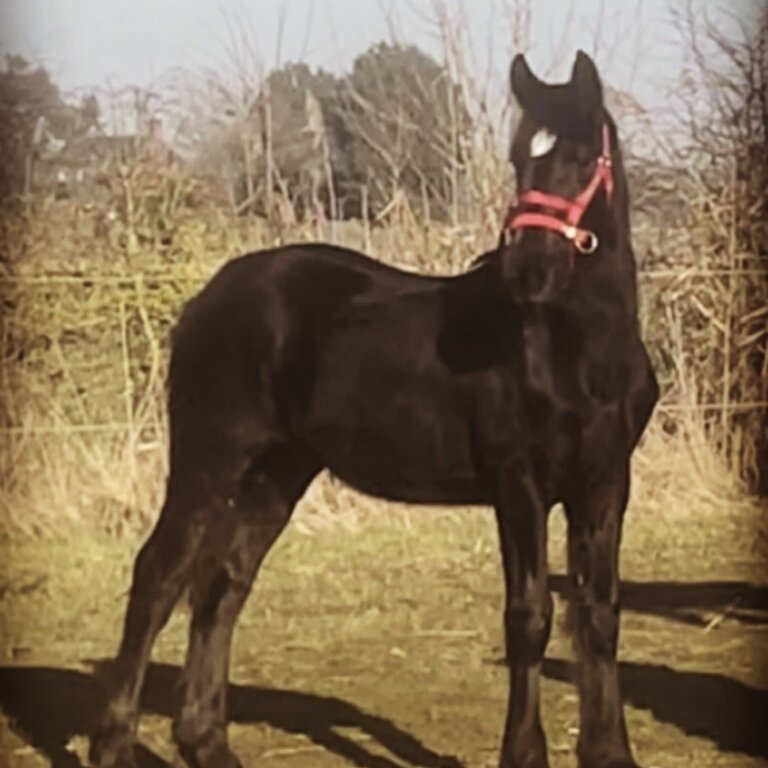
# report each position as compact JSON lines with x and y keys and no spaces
{"x":561,"y":215}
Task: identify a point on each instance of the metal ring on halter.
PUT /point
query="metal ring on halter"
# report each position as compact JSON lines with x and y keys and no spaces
{"x":587,"y":243}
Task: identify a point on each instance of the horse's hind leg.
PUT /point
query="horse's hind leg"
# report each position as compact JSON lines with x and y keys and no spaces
{"x":229,"y":562}
{"x":160,"y":574}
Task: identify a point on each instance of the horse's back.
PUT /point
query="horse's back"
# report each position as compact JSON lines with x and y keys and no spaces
{"x":243,"y":349}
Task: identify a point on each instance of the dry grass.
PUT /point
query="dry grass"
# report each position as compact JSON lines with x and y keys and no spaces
{"x":706,"y":323}
{"x":86,"y":322}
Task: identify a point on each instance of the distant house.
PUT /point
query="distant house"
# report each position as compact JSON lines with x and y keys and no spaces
{"x":77,"y":166}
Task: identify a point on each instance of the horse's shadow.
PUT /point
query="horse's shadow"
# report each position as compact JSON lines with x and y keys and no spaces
{"x":727,"y":712}
{"x":721,"y":709}
{"x":49,"y":706}
{"x":689,"y":602}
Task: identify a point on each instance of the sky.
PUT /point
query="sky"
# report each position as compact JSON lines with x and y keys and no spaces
{"x":86,"y":43}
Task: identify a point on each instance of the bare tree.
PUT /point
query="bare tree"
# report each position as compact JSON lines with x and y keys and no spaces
{"x":719,"y":139}
{"x":406,"y":121}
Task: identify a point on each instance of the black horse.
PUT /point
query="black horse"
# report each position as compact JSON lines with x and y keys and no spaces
{"x":519,"y":384}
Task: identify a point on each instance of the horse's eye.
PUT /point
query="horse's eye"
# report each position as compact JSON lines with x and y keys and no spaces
{"x":577,"y":155}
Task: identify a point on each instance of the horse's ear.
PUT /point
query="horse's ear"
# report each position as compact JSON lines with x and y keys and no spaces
{"x":586,"y":81}
{"x":524,"y":83}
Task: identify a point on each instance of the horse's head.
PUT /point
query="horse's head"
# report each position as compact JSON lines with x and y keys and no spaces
{"x":571,"y":194}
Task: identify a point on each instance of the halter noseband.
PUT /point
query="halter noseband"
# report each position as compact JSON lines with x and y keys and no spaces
{"x":560,"y":215}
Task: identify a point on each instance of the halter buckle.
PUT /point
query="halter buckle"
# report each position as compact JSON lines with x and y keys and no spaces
{"x":585,"y":241}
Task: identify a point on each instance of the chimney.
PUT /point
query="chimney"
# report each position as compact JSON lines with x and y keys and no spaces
{"x":155,"y":147}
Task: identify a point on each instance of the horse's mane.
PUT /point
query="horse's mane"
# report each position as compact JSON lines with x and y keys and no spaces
{"x":487,"y":259}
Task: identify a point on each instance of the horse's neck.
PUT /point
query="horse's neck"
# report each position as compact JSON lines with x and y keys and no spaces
{"x":609,"y":292}
{"x":606,"y":328}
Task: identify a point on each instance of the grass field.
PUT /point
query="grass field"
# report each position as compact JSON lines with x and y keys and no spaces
{"x":374,"y":635}
{"x":377,"y":642}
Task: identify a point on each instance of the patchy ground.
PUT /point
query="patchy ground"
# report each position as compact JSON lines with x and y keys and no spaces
{"x":381,"y":646}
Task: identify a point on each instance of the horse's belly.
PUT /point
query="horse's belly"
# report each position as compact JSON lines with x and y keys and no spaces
{"x":401,"y":475}
{"x":407,"y":449}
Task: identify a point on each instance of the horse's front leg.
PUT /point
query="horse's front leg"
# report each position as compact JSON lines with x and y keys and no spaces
{"x":522,"y":520}
{"x":595,"y":511}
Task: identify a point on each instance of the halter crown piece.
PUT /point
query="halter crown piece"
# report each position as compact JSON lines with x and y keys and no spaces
{"x":560,"y":215}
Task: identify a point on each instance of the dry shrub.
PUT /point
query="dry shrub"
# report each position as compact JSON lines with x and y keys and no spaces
{"x":705,"y":318}
{"x":677,"y":471}
{"x":719,"y":148}
{"x":110,"y":480}
{"x":89,"y":301}
{"x":90,"y":295}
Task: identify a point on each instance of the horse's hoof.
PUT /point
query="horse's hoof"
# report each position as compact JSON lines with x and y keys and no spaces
{"x":534,"y":759}
{"x":621,"y":762}
{"x":209,"y":753}
{"x":112,"y":749}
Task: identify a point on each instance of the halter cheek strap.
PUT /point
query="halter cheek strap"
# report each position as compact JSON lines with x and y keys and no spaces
{"x":560,"y":215}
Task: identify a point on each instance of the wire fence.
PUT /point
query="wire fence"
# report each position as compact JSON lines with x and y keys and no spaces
{"x":141,"y":281}
{"x":150,"y":277}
